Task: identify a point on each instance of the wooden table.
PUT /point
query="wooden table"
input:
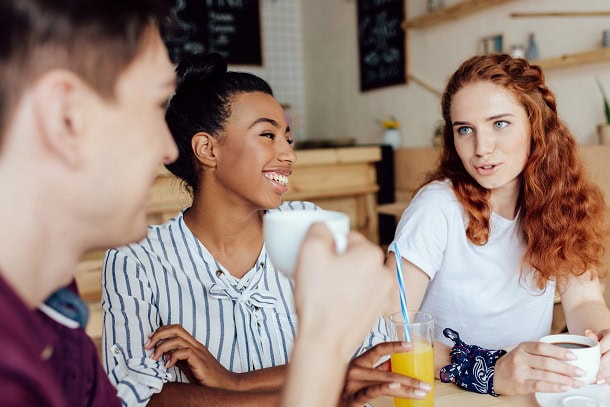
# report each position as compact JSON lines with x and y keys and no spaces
{"x":449,"y":395}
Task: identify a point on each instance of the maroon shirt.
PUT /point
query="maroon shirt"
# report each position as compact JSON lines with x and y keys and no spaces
{"x":45,"y":363}
{"x":26,"y":376}
{"x":77,"y":367}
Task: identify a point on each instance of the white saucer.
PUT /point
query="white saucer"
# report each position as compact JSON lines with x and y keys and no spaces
{"x":578,"y":397}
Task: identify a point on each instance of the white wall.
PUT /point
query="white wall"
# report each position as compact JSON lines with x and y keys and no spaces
{"x":335,"y":107}
{"x":282,"y":38}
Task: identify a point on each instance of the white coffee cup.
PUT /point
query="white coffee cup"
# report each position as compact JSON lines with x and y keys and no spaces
{"x":586,"y":350}
{"x":284,"y":232}
{"x":580,"y":401}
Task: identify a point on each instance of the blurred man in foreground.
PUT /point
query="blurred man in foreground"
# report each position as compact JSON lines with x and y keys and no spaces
{"x":83,"y":86}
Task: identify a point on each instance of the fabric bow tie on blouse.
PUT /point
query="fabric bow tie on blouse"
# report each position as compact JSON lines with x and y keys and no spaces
{"x":247,"y":302}
{"x":472,"y":367}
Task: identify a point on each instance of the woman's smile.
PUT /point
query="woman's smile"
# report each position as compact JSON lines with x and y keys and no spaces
{"x":278,"y":181}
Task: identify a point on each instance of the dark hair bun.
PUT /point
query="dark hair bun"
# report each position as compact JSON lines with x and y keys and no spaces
{"x":202,"y":103}
{"x":200,"y":66}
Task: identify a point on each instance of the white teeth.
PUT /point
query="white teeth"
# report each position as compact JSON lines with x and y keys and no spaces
{"x":282,"y":179}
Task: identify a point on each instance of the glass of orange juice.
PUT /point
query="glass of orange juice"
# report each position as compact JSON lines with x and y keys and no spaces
{"x":419,"y":362}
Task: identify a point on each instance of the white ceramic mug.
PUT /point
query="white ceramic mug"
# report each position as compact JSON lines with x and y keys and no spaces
{"x":586,"y":350}
{"x":580,"y":401}
{"x":284,"y":232}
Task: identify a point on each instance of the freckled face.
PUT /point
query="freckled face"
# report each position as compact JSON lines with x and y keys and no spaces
{"x":491,"y":132}
{"x":254,"y":155}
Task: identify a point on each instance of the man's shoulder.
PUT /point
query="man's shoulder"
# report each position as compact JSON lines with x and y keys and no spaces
{"x":25,"y":373}
{"x":27,"y":381}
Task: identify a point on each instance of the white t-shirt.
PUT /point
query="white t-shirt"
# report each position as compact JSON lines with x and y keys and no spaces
{"x":479,"y":291}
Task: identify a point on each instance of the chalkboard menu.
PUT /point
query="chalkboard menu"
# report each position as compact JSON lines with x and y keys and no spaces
{"x":381,"y":40}
{"x":230,"y":28}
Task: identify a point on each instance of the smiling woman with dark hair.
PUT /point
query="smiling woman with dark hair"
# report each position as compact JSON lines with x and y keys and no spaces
{"x":205,"y":272}
{"x":200,"y":291}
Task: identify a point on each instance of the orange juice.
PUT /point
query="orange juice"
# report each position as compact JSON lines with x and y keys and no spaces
{"x":419,"y":363}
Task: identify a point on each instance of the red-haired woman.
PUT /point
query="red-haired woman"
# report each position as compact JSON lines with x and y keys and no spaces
{"x":506,"y":218}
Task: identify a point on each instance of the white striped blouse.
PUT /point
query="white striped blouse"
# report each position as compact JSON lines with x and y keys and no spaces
{"x":171,"y":278}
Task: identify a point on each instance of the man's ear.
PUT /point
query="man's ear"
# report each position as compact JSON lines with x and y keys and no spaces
{"x":204,"y":148}
{"x":59,"y":113}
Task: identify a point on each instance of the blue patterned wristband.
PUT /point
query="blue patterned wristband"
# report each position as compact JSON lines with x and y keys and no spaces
{"x":472,"y":367}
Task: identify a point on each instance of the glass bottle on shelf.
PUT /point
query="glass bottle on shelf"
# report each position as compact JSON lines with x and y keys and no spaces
{"x":532,"y":48}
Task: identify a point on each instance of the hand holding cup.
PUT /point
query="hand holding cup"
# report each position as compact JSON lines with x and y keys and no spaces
{"x":284,"y":232}
{"x":585,"y":349}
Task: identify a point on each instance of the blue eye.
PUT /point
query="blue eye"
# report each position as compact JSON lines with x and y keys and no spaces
{"x":500,"y":124}
{"x":464,"y":130}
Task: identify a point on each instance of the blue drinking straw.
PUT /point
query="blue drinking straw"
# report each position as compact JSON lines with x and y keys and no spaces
{"x":403,"y":295}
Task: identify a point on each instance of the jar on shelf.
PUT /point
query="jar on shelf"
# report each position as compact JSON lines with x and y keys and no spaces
{"x":516,"y":51}
{"x":392,"y":137}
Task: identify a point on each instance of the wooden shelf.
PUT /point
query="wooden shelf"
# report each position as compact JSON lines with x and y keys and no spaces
{"x":448,"y":13}
{"x":564,"y":61}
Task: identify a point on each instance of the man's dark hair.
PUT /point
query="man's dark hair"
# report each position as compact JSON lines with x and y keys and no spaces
{"x":94,"y":39}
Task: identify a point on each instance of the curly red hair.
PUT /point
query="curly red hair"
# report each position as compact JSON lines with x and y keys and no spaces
{"x":561,"y":211}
